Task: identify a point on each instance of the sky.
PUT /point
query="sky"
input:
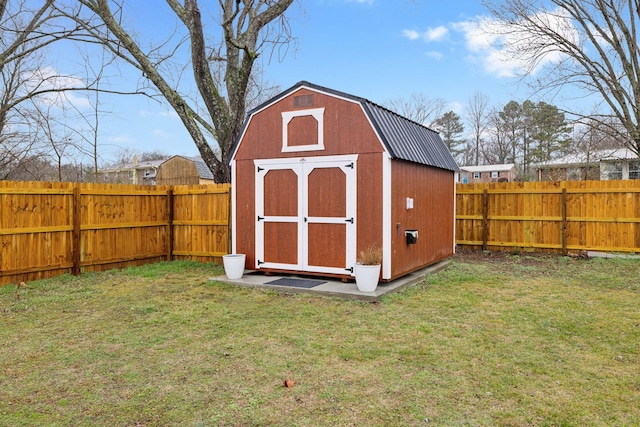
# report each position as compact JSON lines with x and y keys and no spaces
{"x":375,"y":49}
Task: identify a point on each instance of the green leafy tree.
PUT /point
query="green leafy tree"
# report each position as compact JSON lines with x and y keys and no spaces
{"x":550,"y":132}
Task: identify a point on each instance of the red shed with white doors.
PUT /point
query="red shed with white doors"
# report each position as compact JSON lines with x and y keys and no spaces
{"x":319,"y":175}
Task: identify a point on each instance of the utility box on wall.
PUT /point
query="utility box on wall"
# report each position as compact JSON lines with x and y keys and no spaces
{"x":412,"y":236}
{"x":320,"y":175}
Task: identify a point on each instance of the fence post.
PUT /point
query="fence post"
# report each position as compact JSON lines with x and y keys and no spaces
{"x":564,"y":221}
{"x":77,"y":213}
{"x":485,"y":219}
{"x":170,"y":224}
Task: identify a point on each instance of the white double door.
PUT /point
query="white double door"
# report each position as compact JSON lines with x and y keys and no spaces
{"x":306,"y":214}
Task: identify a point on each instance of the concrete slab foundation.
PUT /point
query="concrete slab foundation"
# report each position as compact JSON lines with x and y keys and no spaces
{"x":336,"y":288}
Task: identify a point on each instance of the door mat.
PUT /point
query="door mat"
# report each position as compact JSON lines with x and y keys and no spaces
{"x":296,"y":283}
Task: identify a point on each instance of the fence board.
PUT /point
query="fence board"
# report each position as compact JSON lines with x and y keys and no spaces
{"x":550,"y":216}
{"x":201,"y":222}
{"x":48,"y":229}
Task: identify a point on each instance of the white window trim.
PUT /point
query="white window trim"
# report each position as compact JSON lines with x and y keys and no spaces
{"x":287,"y":116}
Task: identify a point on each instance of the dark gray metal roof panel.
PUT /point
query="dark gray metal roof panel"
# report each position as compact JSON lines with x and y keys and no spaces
{"x":408,"y":140}
{"x":203,"y":169}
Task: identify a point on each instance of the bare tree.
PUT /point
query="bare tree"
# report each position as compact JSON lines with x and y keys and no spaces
{"x":27,"y":85}
{"x":589,"y":45}
{"x":418,"y":107}
{"x":499,"y":147}
{"x":25,"y":31}
{"x":247,"y":27}
{"x":477,"y":116}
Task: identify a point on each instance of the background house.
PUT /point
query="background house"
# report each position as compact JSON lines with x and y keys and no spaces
{"x":487,"y":173}
{"x":320,"y":175}
{"x":139,"y":173}
{"x":176,"y":170}
{"x":619,"y":163}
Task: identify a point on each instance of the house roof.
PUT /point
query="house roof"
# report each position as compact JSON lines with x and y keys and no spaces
{"x":403,"y":139}
{"x":203,"y":170}
{"x":580,"y":159}
{"x":147,"y":164}
{"x":488,"y":168}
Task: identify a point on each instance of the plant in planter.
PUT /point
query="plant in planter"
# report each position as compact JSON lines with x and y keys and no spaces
{"x":367,"y":269}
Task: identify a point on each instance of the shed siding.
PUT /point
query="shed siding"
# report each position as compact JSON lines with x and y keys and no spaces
{"x":177,"y":171}
{"x":245,"y":212}
{"x":346,"y":129}
{"x":433,"y":195}
{"x":180,"y":171}
{"x":369,"y":210}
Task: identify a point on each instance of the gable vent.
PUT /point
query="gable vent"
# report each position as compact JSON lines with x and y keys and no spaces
{"x":303,"y":101}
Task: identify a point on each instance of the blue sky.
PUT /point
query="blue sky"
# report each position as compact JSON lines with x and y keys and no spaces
{"x":382,"y":49}
{"x":376,"y":49}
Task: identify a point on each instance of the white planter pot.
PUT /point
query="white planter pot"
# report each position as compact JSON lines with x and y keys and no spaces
{"x":234,"y":265}
{"x":367,"y":277}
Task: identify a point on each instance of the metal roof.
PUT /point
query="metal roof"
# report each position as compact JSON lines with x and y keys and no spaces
{"x":404,"y":139}
{"x":489,"y":168}
{"x":408,"y":140}
{"x":203,"y":169}
{"x":593,"y":157}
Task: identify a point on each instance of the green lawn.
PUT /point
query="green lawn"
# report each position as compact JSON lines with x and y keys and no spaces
{"x":507,"y":340}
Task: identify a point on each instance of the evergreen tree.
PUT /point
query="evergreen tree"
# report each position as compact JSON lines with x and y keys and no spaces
{"x":451,"y":129}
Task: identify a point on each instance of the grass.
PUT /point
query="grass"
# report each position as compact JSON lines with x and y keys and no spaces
{"x":510,"y":341}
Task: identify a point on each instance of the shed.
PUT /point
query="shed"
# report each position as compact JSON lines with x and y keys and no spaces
{"x":179,"y":170}
{"x":319,"y":175}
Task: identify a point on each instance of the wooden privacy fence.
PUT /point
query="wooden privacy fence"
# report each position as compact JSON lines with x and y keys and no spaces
{"x":550,"y":216}
{"x":47,"y":229}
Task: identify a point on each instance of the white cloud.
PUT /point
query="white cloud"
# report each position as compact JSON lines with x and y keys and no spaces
{"x":436,"y":34}
{"x":456,"y":107}
{"x":160,"y":133}
{"x":147,"y":114}
{"x":501,"y":49}
{"x":431,"y":35}
{"x":121,"y":139}
{"x":169,"y":114}
{"x":47,"y":78}
{"x":411,"y":34}
{"x":434,"y":54}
